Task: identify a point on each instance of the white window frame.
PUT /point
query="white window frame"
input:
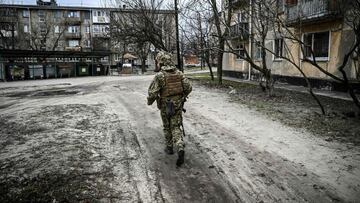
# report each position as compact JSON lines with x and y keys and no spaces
{"x":26,"y":28}
{"x":117,"y":57}
{"x":321,"y":59}
{"x":26,"y":13}
{"x":96,"y":29}
{"x":87,"y":43}
{"x":238,"y":48}
{"x":74,"y":29}
{"x":56,"y":29}
{"x":87,"y":29}
{"x":73,"y":14}
{"x":72,"y":43}
{"x":257,"y":48}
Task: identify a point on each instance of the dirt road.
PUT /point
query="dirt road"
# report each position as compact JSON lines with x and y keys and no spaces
{"x":94,"y":139}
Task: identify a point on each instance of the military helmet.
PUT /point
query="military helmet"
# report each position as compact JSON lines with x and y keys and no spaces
{"x":164,"y":58}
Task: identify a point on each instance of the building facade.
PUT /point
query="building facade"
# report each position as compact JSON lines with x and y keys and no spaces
{"x":47,"y":40}
{"x":319,"y":32}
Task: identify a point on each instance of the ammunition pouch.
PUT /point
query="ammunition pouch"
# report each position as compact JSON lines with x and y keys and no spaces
{"x":170,"y":108}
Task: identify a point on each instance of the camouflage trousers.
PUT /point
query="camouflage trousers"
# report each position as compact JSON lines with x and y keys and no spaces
{"x":172,"y":131}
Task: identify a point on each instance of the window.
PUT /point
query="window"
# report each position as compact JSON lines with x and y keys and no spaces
{"x":57,"y":14}
{"x":280,"y":5}
{"x":258,"y":54}
{"x":41,"y":13}
{"x":278,"y":48}
{"x":43,"y":30}
{"x":94,"y":13}
{"x":99,"y":13}
{"x":87,"y":29}
{"x":57,"y":29}
{"x":73,"y":43}
{"x":117,"y":57}
{"x":96,"y":28}
{"x":317,"y":45}
{"x":25,"y":13}
{"x":106,"y":58}
{"x":87,"y":15}
{"x":26,"y":28}
{"x":87,"y":43}
{"x":73,"y":29}
{"x":73,"y":14}
{"x":241,"y":49}
{"x":241,"y":17}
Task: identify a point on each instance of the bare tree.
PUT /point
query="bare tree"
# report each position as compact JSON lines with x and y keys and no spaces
{"x":143,"y":23}
{"x":350,"y":19}
{"x":260,"y":14}
{"x":196,"y":33}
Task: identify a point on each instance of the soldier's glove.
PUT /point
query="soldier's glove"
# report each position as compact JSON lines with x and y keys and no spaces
{"x":150,"y":101}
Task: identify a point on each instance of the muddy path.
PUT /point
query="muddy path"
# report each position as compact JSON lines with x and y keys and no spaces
{"x":91,"y":140}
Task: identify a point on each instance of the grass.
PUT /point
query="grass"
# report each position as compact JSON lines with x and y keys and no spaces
{"x":294,"y":109}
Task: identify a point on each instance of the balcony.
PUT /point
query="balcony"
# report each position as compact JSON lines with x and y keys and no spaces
{"x":239,"y":31}
{"x":86,"y":49}
{"x":8,"y":33}
{"x":73,"y":20}
{"x":237,"y":3}
{"x":75,"y":35}
{"x":9,"y":19}
{"x":310,"y":11}
{"x":101,"y":35}
{"x":76,"y":48}
{"x":99,"y":47}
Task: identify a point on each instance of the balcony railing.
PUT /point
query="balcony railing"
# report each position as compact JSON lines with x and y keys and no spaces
{"x":9,"y":19}
{"x":101,"y":35}
{"x":73,"y":20}
{"x":239,"y":31}
{"x":308,"y":11}
{"x":75,"y":35}
{"x":236,"y":3}
{"x":8,"y":33}
{"x":76,"y":48}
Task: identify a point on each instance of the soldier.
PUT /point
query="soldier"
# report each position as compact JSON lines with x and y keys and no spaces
{"x":170,"y":88}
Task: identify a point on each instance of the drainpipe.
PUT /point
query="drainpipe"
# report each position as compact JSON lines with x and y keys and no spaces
{"x":250,"y":36}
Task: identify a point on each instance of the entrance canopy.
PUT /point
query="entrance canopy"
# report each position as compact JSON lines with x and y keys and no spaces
{"x":129,"y":56}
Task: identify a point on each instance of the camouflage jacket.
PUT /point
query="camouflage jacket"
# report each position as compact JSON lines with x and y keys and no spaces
{"x":158,"y":84}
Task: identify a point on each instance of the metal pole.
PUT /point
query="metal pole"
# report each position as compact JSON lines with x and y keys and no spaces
{"x":177,"y":37}
{"x":250,"y":38}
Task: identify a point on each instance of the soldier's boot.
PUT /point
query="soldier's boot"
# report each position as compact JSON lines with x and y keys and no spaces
{"x":181,"y":156}
{"x":169,"y":150}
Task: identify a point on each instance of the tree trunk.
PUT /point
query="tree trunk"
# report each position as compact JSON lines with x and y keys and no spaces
{"x":208,"y":62}
{"x":143,"y":67}
{"x":269,"y":83}
{"x":220,"y":56}
{"x":210,"y":69}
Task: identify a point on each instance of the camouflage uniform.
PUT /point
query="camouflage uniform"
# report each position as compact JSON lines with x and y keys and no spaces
{"x":170,"y":84}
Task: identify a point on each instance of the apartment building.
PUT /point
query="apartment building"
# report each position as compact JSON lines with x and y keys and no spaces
{"x":319,"y":24}
{"x":47,"y":40}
